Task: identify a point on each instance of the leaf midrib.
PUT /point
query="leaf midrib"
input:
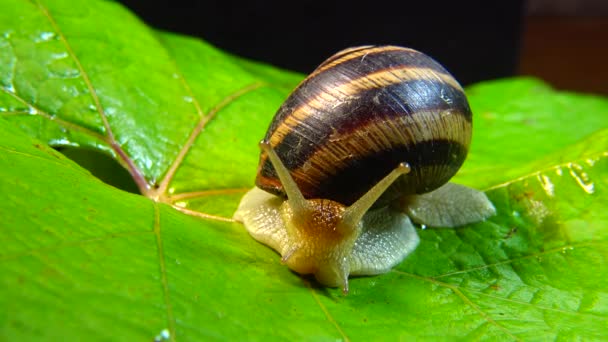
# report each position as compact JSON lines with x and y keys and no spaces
{"x":157,"y":192}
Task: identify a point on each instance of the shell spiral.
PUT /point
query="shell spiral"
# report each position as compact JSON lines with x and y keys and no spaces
{"x":361,"y":113}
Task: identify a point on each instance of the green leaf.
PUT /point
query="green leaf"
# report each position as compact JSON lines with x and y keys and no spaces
{"x":82,"y":260}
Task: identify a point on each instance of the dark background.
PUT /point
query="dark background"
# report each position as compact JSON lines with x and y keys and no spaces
{"x":474,"y":40}
{"x":564,"y":42}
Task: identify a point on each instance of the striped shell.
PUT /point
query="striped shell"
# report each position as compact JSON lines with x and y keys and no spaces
{"x":361,"y":113}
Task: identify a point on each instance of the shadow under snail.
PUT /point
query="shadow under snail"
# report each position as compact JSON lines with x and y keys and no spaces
{"x":362,"y":147}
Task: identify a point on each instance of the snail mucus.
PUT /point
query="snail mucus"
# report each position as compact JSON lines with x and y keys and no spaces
{"x":363,"y":147}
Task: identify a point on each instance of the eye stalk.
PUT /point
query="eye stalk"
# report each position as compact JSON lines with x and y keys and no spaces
{"x":321,"y":233}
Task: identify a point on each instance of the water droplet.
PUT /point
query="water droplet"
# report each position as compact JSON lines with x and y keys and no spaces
{"x":181,"y":204}
{"x":171,"y":191}
{"x":582,"y":178}
{"x":546,"y":183}
{"x":567,"y":248}
{"x":163,"y":336}
{"x":10,"y":88}
{"x":188,"y":99}
{"x":558,"y":171}
{"x":62,"y":142}
{"x":591,"y":161}
{"x":32,"y":111}
{"x":72,"y":91}
{"x":60,"y":55}
{"x":423,"y":226}
{"x":147,"y":163}
{"x":515,"y":213}
{"x":45,"y":37}
{"x":110,"y":110}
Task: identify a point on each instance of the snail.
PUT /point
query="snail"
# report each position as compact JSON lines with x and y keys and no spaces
{"x":363,"y":148}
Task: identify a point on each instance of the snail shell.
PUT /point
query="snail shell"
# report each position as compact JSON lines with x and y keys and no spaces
{"x":359,"y":150}
{"x":362,"y":112}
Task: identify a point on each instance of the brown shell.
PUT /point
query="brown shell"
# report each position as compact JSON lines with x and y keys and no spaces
{"x":361,"y":113}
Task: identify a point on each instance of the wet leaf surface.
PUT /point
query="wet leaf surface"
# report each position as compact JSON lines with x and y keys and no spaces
{"x":82,"y":260}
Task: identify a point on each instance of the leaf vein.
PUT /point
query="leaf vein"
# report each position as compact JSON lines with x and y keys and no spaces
{"x":464,"y":298}
{"x":545,"y":308}
{"x":205,"y":193}
{"x":330,"y":318}
{"x":160,"y":193}
{"x":163,"y":272}
{"x":83,"y":73}
{"x":138,"y":177}
{"x":203,"y":215}
{"x":482,"y":313}
{"x":504,"y":262}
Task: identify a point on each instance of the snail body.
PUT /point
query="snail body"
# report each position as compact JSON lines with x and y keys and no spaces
{"x":363,"y":146}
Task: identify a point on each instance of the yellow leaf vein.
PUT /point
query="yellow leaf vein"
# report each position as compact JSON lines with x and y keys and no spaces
{"x":160,"y":194}
{"x":330,"y":318}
